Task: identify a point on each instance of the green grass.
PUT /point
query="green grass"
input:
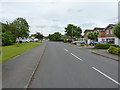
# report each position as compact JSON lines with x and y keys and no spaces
{"x":11,"y":51}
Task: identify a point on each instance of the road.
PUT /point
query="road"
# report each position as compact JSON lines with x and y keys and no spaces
{"x":61,"y":66}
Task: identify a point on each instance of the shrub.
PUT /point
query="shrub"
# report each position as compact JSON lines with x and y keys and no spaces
{"x":82,"y":44}
{"x":17,"y":44}
{"x":7,"y":39}
{"x":69,"y":41}
{"x":114,"y":45}
{"x":114,"y":50}
{"x":102,"y":46}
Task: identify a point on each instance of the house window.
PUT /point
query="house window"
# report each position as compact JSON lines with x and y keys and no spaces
{"x":111,"y":31}
{"x":110,"y":40}
{"x":107,"y":31}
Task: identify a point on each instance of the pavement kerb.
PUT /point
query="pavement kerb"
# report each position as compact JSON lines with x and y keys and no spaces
{"x":34,"y":71}
{"x":103,"y":55}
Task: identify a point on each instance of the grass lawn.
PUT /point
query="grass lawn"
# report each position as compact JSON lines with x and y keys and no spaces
{"x":11,"y":51}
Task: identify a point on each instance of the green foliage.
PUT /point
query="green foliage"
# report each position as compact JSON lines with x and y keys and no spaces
{"x":68,"y":41}
{"x":11,"y":51}
{"x":114,"y":50}
{"x":72,"y":30}
{"x":7,"y":39}
{"x":55,"y":37}
{"x":93,"y":35}
{"x":117,"y":30}
{"x":102,"y":46}
{"x":11,"y":31}
{"x":82,"y":44}
{"x":38,"y":36}
{"x":22,"y":27}
{"x":17,"y":44}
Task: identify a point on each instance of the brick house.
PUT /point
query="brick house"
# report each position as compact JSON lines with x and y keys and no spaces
{"x":101,"y":32}
{"x":108,"y":35}
{"x":86,"y":40}
{"x":105,"y":35}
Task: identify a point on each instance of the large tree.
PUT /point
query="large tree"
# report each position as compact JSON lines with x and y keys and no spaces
{"x":73,"y":31}
{"x":93,"y":35}
{"x":55,"y":37}
{"x":117,"y":30}
{"x":38,"y":36}
{"x":22,"y":27}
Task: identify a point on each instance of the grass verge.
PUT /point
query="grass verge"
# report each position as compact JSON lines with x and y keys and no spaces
{"x":11,"y":51}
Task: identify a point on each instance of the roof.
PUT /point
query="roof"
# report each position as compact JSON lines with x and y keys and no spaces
{"x":88,"y":30}
{"x":98,"y":28}
{"x":110,"y":25}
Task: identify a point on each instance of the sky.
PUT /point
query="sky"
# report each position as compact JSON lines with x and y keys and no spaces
{"x":49,"y":16}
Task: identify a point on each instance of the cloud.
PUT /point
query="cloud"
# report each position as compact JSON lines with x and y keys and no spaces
{"x":74,"y":10}
{"x":112,"y":19}
{"x":46,"y":26}
{"x":88,"y":24}
{"x":53,"y":15}
{"x":80,"y":10}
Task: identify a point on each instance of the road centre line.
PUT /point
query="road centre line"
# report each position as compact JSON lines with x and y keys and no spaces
{"x":76,"y":57}
{"x":66,"y":50}
{"x":106,"y":75}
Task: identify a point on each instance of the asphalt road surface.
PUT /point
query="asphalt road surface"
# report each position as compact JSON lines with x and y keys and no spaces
{"x":61,"y":66}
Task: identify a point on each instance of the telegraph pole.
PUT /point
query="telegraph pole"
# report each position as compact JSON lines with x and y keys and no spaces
{"x":72,"y":34}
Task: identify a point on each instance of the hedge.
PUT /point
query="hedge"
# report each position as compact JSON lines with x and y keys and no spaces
{"x":104,"y":46}
{"x":114,"y":50}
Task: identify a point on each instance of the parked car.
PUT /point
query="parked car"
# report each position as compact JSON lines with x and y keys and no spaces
{"x":79,"y":42}
{"x":104,"y":42}
{"x":92,"y":43}
{"x":24,"y":40}
{"x":35,"y":39}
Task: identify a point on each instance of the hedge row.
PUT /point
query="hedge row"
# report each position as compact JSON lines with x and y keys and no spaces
{"x":114,"y":50}
{"x":104,"y":46}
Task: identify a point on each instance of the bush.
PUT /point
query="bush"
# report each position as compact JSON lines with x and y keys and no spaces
{"x":68,"y":41}
{"x":114,"y":45}
{"x":17,"y":44}
{"x":82,"y":44}
{"x":7,"y":39}
{"x":102,"y":46}
{"x":114,"y":50}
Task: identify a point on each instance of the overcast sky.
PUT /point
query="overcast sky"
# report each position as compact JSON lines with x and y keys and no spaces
{"x":53,"y":15}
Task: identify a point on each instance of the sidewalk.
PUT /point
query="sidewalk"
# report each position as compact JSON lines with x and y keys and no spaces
{"x":102,"y":52}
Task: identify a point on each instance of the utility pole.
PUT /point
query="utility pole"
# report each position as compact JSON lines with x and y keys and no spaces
{"x":72,"y":34}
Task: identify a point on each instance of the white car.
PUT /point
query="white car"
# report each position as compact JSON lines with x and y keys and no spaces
{"x":35,"y":39}
{"x":80,"y":42}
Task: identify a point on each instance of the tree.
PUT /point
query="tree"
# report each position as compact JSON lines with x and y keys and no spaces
{"x":73,"y":31}
{"x":117,"y":30}
{"x":93,"y":35}
{"x":7,"y":38}
{"x":38,"y":36}
{"x":22,"y":27}
{"x":55,"y":37}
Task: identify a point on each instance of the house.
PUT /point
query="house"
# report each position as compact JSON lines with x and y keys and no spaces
{"x":105,"y":35}
{"x":101,"y":33}
{"x":109,"y":36}
{"x":86,"y":40}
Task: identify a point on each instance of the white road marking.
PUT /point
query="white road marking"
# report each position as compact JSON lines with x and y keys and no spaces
{"x":106,"y":75}
{"x":66,"y":50}
{"x":76,"y":57}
